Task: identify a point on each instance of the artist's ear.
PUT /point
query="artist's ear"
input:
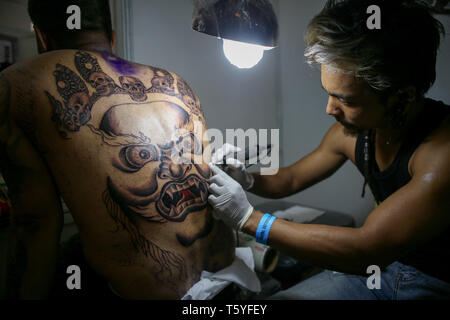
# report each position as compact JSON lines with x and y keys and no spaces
{"x":407,"y":96}
{"x":399,"y":105}
{"x":113,"y":39}
{"x":41,"y":39}
{"x":404,"y":96}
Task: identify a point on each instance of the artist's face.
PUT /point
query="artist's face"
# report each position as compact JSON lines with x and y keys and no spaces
{"x":351,"y":102}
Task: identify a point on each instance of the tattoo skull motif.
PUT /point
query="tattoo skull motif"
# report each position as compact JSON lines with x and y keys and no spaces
{"x":102,"y":83}
{"x":91,"y":72}
{"x":162,"y":82}
{"x":76,"y":111}
{"x":78,"y":103}
{"x":188,"y":97}
{"x":135,"y":88}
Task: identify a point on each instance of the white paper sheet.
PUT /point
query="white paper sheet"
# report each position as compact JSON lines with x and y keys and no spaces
{"x":240,"y":272}
{"x":298,"y":214}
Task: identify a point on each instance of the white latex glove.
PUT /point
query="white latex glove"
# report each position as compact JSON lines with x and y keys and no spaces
{"x":228,"y":199}
{"x":233,"y":167}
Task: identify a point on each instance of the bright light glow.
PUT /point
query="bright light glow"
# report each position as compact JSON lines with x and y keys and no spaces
{"x":243,"y":55}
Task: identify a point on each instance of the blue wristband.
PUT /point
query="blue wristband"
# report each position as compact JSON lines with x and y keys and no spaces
{"x":261,"y":226}
{"x":262,"y":233}
{"x":269,"y":225}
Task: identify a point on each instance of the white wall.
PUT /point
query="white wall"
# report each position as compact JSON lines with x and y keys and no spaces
{"x":15,"y":22}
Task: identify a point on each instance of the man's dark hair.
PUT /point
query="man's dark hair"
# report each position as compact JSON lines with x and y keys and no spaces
{"x":402,"y":53}
{"x":50,"y":16}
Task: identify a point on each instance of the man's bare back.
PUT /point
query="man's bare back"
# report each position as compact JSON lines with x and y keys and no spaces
{"x":107,"y":130}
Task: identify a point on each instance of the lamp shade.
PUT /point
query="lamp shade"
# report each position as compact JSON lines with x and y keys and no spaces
{"x":250,"y":21}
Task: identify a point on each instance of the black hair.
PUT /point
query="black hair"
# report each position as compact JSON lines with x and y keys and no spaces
{"x":50,"y":16}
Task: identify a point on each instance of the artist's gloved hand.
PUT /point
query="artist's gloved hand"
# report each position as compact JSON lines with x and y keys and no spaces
{"x":228,"y":200}
{"x":233,"y":167}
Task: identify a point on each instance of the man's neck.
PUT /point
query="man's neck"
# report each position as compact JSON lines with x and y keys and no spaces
{"x":391,"y":136}
{"x":95,"y":46}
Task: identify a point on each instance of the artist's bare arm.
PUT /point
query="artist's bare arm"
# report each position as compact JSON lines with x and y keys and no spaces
{"x":313,"y":168}
{"x":410,"y":217}
{"x":36,"y":212}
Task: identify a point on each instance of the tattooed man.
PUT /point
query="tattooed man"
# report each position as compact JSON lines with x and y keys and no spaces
{"x":81,"y":124}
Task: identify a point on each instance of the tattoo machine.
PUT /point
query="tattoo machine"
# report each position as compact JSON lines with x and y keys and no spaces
{"x":249,"y":156}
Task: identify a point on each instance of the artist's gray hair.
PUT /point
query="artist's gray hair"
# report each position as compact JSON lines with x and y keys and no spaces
{"x":402,"y":53}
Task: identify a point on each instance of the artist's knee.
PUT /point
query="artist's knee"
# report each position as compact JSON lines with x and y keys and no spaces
{"x":310,"y":289}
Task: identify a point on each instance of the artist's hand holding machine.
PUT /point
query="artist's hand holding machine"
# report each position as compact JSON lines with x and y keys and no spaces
{"x":228,"y":186}
{"x":229,"y":199}
{"x":227,"y":196}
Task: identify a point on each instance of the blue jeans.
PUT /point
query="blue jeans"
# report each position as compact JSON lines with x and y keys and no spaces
{"x":398,"y":282}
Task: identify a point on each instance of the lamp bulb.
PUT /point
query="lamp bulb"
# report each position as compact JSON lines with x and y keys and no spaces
{"x":243,"y":55}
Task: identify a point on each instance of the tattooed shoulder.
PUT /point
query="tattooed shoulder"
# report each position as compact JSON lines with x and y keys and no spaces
{"x":174,"y":85}
{"x":72,"y":109}
{"x":190,"y":98}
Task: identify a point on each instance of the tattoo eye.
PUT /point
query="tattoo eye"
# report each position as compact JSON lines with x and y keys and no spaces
{"x":190,"y":144}
{"x":144,"y":154}
{"x":136,"y":157}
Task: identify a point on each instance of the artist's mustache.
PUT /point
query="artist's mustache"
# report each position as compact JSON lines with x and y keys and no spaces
{"x":346,"y":124}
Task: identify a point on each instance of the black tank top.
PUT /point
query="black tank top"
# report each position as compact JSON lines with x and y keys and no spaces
{"x":432,"y":258}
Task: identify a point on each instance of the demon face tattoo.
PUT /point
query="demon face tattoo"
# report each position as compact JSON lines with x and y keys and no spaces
{"x":153,"y":177}
{"x":170,"y":190}
{"x":175,"y":187}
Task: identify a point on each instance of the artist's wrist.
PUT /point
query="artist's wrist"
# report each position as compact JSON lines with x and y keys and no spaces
{"x":250,"y":182}
{"x":252,"y":223}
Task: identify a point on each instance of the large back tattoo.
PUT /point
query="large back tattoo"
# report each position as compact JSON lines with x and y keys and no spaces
{"x":172,"y":191}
